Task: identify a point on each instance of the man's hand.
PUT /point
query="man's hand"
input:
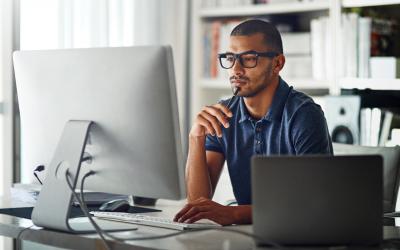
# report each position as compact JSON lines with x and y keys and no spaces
{"x":203,"y":208}
{"x":209,"y":121}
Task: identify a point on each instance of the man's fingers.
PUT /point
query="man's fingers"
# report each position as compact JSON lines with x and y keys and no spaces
{"x":224,"y":109}
{"x":199,"y":216}
{"x":206,"y":124}
{"x":213,"y":121}
{"x":192,"y":212}
{"x":201,"y":202}
{"x":218,"y":113}
{"x":188,"y":206}
{"x":183,"y":211}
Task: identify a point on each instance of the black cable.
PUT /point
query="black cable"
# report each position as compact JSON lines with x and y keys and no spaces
{"x":102,"y":232}
{"x":37,"y":177}
{"x":39,"y":168}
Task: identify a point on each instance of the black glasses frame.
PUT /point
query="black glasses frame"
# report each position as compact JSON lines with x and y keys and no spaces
{"x":268,"y":54}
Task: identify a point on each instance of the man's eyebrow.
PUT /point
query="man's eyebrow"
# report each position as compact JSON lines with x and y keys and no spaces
{"x":248,"y":51}
{"x":244,"y":52}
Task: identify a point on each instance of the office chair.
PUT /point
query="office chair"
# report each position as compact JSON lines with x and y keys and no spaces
{"x":391,"y":165}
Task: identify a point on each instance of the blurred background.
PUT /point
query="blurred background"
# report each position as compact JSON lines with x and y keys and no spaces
{"x":344,"y":53}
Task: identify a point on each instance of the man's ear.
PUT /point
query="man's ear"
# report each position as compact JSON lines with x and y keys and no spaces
{"x":279,"y":63}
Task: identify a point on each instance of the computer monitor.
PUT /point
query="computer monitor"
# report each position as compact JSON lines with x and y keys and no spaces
{"x":116,"y":105}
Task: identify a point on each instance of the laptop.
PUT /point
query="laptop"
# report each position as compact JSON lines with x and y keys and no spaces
{"x":317,"y":200}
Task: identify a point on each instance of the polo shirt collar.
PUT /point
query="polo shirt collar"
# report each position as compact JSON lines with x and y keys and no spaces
{"x":276,"y":109}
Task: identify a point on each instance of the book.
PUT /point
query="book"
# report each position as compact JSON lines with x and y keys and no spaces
{"x":318,"y":49}
{"x":350,"y":25}
{"x":375,"y":126}
{"x":364,"y":46}
{"x":385,"y":129}
{"x":215,"y":37}
{"x":365,"y":126}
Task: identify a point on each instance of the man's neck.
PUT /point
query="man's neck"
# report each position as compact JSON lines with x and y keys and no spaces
{"x":259,"y":105}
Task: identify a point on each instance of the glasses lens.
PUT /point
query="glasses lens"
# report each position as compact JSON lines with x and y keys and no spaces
{"x":249,"y":60}
{"x":227,"y":61}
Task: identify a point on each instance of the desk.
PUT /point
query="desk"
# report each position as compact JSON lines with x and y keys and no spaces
{"x":11,"y":226}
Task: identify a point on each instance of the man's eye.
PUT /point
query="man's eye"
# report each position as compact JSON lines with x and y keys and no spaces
{"x":230,"y":58}
{"x":250,"y":58}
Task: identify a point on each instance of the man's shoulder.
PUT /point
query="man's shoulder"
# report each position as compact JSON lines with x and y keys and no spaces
{"x":300,"y":102}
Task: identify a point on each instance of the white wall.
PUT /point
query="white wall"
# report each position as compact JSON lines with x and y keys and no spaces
{"x":174,"y":28}
{"x":6,"y":84}
{"x":6,"y":79}
{"x":51,"y":24}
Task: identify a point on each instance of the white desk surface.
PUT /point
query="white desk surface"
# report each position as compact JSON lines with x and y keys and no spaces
{"x":11,"y":226}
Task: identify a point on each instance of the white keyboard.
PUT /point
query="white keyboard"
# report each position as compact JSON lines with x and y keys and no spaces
{"x":151,"y":220}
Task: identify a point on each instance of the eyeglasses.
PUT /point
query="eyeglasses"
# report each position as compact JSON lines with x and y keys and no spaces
{"x":247,"y":59}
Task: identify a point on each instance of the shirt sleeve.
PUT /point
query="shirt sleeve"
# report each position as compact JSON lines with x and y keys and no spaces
{"x":310,"y":132}
{"x":213,"y":144}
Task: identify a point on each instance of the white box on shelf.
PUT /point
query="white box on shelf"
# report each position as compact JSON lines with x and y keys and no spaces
{"x":297,"y":67}
{"x":296,"y":43}
{"x":385,"y":67}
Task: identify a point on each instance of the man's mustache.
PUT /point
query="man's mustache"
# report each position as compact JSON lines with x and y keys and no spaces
{"x":240,"y":78}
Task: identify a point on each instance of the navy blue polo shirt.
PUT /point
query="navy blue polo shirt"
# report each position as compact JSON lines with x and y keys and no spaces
{"x":293,"y":125}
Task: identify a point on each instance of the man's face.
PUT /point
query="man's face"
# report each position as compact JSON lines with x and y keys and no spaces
{"x":251,"y":81}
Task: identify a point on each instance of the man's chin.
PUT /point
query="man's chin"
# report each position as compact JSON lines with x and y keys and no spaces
{"x":248,"y":93}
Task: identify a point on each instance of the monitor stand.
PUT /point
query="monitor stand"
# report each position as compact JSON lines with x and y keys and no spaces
{"x":53,"y":205}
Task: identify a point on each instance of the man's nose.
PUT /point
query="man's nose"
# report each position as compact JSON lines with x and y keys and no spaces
{"x":237,"y":68}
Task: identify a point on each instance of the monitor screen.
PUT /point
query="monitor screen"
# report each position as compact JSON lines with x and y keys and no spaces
{"x":128,"y":93}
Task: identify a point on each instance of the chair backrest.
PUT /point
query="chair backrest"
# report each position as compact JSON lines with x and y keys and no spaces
{"x":391,"y":165}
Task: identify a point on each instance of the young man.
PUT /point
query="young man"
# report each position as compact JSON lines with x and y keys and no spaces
{"x":266,"y":117}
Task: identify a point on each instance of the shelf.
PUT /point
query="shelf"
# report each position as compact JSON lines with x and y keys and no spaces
{"x":366,"y":3}
{"x":215,"y":83}
{"x":300,"y":83}
{"x":368,"y":83}
{"x":263,"y":9}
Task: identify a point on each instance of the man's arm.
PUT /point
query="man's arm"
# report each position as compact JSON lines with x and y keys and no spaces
{"x":203,"y":169}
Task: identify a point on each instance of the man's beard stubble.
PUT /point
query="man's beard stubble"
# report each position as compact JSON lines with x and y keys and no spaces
{"x":258,"y":87}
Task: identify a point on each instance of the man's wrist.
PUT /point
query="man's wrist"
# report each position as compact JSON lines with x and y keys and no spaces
{"x":197,"y":138}
{"x":241,"y":214}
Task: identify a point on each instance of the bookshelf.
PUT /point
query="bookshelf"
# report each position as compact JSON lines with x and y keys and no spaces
{"x":263,"y":9}
{"x":300,"y":83}
{"x":367,"y":3}
{"x":367,"y":83}
{"x":206,"y":90}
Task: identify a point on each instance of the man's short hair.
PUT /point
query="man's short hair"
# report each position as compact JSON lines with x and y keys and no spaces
{"x":272,"y":37}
